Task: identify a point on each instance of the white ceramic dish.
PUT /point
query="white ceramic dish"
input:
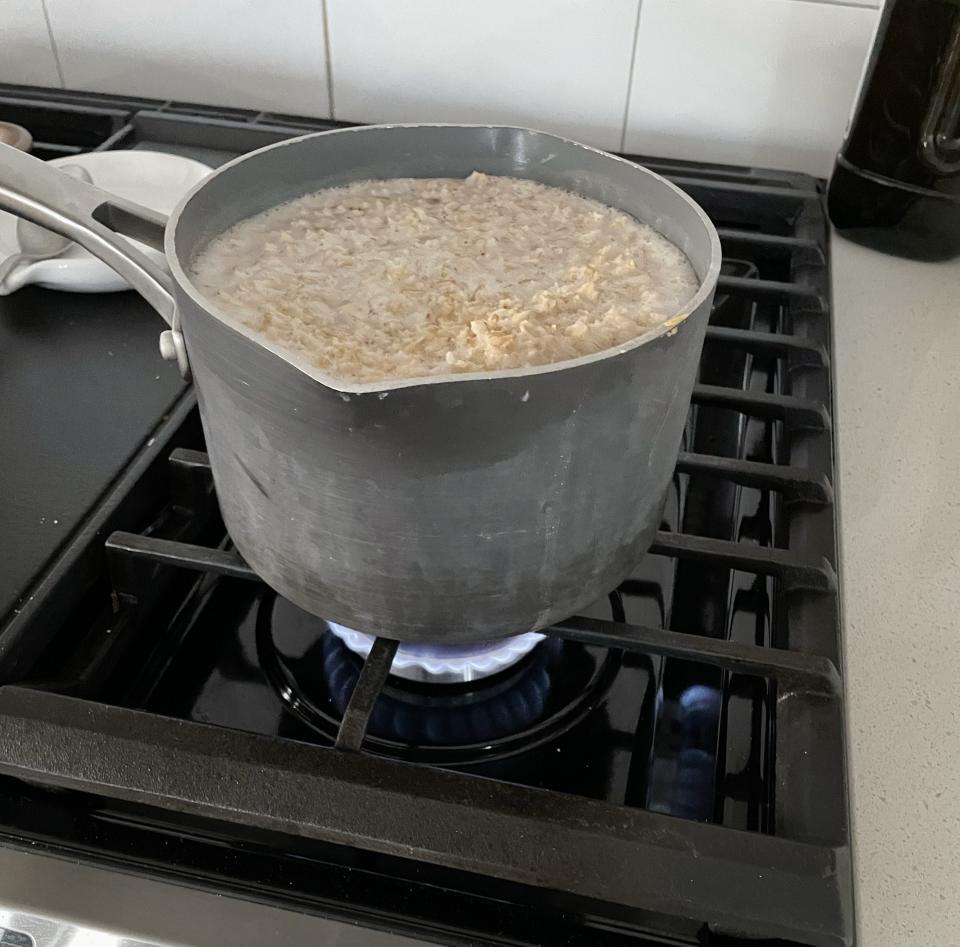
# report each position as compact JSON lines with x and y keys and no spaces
{"x":152,"y":178}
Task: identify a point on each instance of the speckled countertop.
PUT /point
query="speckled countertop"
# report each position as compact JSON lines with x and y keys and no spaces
{"x":897,"y":370}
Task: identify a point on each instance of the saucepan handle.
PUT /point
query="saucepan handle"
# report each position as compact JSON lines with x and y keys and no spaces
{"x":95,"y":219}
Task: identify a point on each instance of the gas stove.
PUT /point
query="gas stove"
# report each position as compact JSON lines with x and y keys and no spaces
{"x":666,"y":767}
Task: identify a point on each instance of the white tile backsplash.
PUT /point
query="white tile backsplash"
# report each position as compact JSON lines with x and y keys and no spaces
{"x":247,"y":53}
{"x":560,"y":66}
{"x":26,"y":54}
{"x":761,"y":82}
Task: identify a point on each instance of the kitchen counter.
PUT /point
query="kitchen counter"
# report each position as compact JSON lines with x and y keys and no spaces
{"x":897,"y":370}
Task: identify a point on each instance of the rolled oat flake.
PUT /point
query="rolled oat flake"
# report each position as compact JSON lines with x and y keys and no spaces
{"x":413,"y":277}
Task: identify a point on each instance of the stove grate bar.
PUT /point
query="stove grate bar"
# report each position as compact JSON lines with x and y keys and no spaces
{"x":353,"y":726}
{"x":800,"y":673}
{"x":798,"y":413}
{"x":771,"y":289}
{"x":753,"y":238}
{"x":806,"y":673}
{"x":797,"y":484}
{"x":763,"y":886}
{"x":800,"y":351}
{"x":224,"y":562}
{"x":794,"y":194}
{"x":794,"y":572}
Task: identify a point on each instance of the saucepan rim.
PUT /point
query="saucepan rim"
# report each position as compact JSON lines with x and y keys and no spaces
{"x":345,"y":386}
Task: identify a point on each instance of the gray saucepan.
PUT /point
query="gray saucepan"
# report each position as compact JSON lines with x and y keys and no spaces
{"x":449,"y":508}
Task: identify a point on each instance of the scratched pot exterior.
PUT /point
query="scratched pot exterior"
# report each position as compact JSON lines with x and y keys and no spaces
{"x":458,"y":509}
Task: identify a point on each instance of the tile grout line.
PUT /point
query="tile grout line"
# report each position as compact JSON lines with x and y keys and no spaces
{"x":53,"y":43}
{"x":329,"y":58}
{"x":633,"y":60}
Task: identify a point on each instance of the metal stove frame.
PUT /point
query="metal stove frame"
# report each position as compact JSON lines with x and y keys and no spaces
{"x":794,"y":885}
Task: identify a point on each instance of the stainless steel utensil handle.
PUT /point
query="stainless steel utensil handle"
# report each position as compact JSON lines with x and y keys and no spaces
{"x":94,"y":218}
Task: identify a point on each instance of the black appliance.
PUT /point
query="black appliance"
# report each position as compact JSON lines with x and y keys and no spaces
{"x":896,"y":184}
{"x":667,"y":768}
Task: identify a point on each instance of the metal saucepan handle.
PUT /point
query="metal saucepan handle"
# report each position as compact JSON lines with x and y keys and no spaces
{"x":94,"y":218}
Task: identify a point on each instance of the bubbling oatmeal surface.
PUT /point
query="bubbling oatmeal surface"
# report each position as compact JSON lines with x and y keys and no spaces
{"x":411,"y":277}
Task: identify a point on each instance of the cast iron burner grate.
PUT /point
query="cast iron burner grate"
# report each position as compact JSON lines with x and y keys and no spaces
{"x":544,"y":694}
{"x":725,"y":818}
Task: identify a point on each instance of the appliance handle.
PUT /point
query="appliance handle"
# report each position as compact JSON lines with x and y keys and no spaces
{"x":940,"y":134}
{"x":98,"y":221}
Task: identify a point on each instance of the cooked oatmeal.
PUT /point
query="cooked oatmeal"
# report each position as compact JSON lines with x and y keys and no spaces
{"x":408,"y":277}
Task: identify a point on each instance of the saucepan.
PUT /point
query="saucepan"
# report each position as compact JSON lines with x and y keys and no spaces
{"x":449,"y":508}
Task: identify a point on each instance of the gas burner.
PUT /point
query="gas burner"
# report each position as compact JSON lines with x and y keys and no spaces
{"x":532,"y":697}
{"x":445,"y":664}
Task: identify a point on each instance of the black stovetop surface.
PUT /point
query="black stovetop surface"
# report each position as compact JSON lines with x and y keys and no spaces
{"x":621,"y":782}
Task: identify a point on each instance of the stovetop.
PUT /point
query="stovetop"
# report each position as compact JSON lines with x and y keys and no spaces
{"x":667,"y":767}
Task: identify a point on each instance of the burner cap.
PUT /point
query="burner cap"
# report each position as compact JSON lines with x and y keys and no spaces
{"x":445,"y":664}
